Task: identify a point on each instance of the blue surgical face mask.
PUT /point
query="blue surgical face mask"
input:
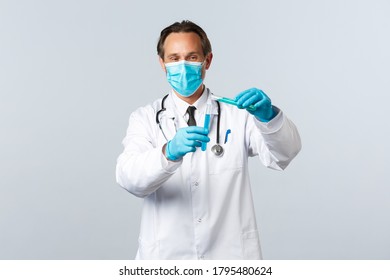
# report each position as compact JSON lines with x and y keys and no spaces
{"x":184,"y":77}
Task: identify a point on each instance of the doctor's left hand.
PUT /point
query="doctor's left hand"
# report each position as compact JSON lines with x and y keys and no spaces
{"x":259,"y":100}
{"x":185,"y":141}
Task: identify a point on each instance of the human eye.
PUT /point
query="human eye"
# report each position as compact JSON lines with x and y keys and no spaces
{"x":193,"y":57}
{"x":173,"y":58}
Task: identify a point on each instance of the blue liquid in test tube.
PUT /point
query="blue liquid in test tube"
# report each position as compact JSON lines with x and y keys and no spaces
{"x":206,"y":123}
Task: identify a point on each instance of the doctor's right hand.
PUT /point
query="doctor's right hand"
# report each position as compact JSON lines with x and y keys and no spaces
{"x":185,"y":141}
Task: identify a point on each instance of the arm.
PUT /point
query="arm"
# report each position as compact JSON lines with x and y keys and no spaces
{"x":142,"y":166}
{"x":272,"y":135}
{"x":277,"y":142}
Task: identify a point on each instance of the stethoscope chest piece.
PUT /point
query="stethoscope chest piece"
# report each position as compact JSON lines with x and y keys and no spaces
{"x":217,"y":150}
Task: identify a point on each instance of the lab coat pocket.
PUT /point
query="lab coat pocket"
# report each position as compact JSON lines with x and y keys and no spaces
{"x":147,"y":250}
{"x":251,"y":245}
{"x":232,"y":158}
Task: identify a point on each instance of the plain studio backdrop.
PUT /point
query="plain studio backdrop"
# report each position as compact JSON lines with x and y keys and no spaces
{"x":71,"y":72}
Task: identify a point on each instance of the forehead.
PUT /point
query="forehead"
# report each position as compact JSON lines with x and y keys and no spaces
{"x":183,"y":42}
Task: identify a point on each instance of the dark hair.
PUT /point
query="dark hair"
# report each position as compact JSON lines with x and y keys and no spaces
{"x":185,"y":26}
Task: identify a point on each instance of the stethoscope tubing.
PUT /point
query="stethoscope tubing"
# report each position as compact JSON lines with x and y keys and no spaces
{"x":217,"y":148}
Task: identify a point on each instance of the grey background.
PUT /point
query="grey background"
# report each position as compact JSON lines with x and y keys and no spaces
{"x":72,"y":71}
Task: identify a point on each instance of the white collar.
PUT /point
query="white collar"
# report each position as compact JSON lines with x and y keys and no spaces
{"x":200,"y":104}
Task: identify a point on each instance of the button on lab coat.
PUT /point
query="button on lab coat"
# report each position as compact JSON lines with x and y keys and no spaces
{"x":200,"y":207}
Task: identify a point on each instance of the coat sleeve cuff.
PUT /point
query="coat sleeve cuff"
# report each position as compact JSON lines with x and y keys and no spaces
{"x":168,"y":165}
{"x":273,"y":125}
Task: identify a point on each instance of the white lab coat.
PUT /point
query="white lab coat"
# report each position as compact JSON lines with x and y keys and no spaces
{"x":200,"y":207}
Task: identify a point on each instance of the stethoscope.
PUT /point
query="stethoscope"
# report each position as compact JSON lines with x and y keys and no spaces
{"x":217,"y":149}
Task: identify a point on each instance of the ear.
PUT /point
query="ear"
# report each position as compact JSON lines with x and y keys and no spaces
{"x":209,"y":58}
{"x":162,"y":64}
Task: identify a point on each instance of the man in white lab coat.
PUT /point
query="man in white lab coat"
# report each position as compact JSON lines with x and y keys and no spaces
{"x":197,"y":200}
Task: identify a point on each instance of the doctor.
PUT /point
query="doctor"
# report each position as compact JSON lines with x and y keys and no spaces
{"x":198,"y":204}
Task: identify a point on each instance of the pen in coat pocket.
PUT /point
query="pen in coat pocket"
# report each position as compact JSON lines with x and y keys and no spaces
{"x":227,"y":135}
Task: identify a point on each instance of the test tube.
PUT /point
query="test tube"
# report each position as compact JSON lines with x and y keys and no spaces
{"x":206,"y":123}
{"x":230,"y":101}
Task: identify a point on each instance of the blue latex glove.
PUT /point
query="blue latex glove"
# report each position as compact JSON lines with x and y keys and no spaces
{"x":185,"y":141}
{"x":256,"y":97}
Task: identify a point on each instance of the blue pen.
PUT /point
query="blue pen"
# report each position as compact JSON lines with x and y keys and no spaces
{"x":206,"y":123}
{"x":227,"y":134}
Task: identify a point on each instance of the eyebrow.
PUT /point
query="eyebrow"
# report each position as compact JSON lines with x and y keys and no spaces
{"x":192,"y":53}
{"x":189,"y":54}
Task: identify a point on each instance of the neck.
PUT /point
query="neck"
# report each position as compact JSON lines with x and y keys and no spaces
{"x":192,"y":99}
